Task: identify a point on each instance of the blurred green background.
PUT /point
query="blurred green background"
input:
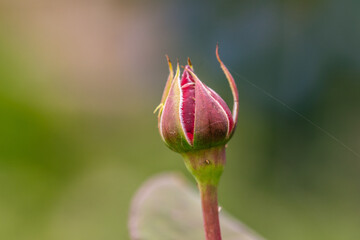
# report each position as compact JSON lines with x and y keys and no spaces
{"x":79,"y":81}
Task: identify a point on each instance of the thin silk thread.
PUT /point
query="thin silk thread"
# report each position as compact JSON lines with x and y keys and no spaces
{"x":330,"y":135}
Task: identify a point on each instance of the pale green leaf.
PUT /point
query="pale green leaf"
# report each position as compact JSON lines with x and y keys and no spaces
{"x":167,"y":207}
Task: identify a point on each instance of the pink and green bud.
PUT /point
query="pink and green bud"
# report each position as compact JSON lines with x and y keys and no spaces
{"x":196,"y":122}
{"x":192,"y":116}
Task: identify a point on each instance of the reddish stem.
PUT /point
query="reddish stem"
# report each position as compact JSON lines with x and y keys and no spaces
{"x":210,"y":211}
{"x":207,"y":165}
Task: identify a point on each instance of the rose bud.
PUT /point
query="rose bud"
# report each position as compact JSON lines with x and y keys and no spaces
{"x":196,"y":122}
{"x":192,"y":116}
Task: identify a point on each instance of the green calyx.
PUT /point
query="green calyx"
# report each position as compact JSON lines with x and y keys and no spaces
{"x":206,"y":165}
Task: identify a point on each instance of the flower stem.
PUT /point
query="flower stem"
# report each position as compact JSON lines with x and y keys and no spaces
{"x":210,"y":211}
{"x":207,"y":166}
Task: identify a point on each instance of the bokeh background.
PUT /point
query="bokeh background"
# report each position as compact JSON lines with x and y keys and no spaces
{"x":79,"y":81}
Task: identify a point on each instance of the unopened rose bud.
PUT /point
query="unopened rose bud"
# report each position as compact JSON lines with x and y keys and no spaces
{"x":193,"y":116}
{"x":196,"y":122}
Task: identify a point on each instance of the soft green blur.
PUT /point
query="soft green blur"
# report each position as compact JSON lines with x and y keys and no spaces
{"x":79,"y":81}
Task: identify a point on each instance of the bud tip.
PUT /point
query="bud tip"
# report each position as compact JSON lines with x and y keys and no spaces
{"x":190,"y":64}
{"x":169,"y":63}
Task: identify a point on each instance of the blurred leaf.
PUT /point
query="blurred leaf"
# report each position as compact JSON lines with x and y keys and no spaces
{"x":167,"y":207}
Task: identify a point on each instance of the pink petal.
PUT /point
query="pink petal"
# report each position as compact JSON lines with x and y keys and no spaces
{"x":224,"y":106}
{"x":211,"y":120}
{"x":187,"y":84}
